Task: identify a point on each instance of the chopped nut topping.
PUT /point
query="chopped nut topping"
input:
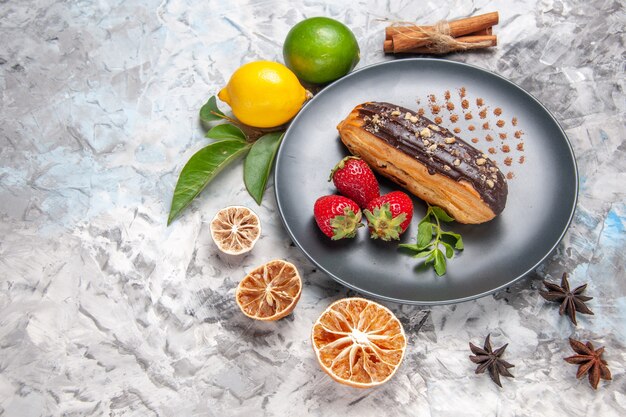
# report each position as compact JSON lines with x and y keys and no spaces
{"x":493,"y":169}
{"x":490,"y":183}
{"x":425,"y":133}
{"x":413,"y":119}
{"x":457,"y":162}
{"x":484,"y":156}
{"x":376,"y":118}
{"x":432,"y":147}
{"x":450,"y":140}
{"x":426,"y":142}
{"x":407,"y":116}
{"x":446,"y":168}
{"x":396,"y":113}
{"x":481,"y":161}
{"x":435,"y":128}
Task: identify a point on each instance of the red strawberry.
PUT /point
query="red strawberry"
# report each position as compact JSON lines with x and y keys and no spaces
{"x":355,"y":179}
{"x":337,"y":216}
{"x":388,"y":216}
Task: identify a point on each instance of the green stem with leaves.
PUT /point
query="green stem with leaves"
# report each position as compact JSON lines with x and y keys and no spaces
{"x":428,"y":247}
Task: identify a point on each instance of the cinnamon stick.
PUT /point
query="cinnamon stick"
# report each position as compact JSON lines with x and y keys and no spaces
{"x":429,"y":49}
{"x":476,"y":37}
{"x":487,"y":31}
{"x":459,"y":27}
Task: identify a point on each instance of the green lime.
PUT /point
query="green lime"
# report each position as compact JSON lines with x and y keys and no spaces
{"x":320,"y":50}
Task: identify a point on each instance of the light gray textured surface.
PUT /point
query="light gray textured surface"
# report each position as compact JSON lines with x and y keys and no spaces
{"x":106,"y":311}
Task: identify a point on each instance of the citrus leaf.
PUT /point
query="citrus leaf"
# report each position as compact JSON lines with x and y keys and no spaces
{"x":226,"y":131}
{"x":258,"y":164}
{"x":440,"y":262}
{"x":201,"y":168}
{"x":441,"y":215}
{"x":210,"y":112}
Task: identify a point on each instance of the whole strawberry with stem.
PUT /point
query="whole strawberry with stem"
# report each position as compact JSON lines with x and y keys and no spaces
{"x":389,"y":215}
{"x":355,"y":180}
{"x":337,"y":216}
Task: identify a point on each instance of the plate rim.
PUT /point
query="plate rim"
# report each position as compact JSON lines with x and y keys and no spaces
{"x":423,"y":302}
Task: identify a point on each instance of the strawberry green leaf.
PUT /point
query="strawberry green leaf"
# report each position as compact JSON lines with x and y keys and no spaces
{"x":226,"y":131}
{"x":382,"y":223}
{"x":340,"y":165}
{"x":201,"y":168}
{"x":346,"y":226}
{"x":210,"y":112}
{"x":258,"y":164}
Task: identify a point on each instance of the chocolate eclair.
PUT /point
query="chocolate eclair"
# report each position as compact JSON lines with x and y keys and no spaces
{"x":426,"y":159}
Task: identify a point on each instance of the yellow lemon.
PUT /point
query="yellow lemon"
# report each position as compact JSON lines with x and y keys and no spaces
{"x":264,"y":94}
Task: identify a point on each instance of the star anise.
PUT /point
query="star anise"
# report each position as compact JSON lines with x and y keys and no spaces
{"x":571,"y":301}
{"x":590,"y":361}
{"x":489,"y":359}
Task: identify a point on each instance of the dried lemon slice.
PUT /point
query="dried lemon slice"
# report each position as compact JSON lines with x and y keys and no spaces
{"x":270,"y":292}
{"x":235,"y":229}
{"x":358,"y":342}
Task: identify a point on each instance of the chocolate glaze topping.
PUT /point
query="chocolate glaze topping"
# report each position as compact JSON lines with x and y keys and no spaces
{"x":437,"y":148}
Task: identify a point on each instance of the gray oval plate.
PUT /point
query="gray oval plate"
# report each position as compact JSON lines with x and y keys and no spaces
{"x":541,"y":202}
